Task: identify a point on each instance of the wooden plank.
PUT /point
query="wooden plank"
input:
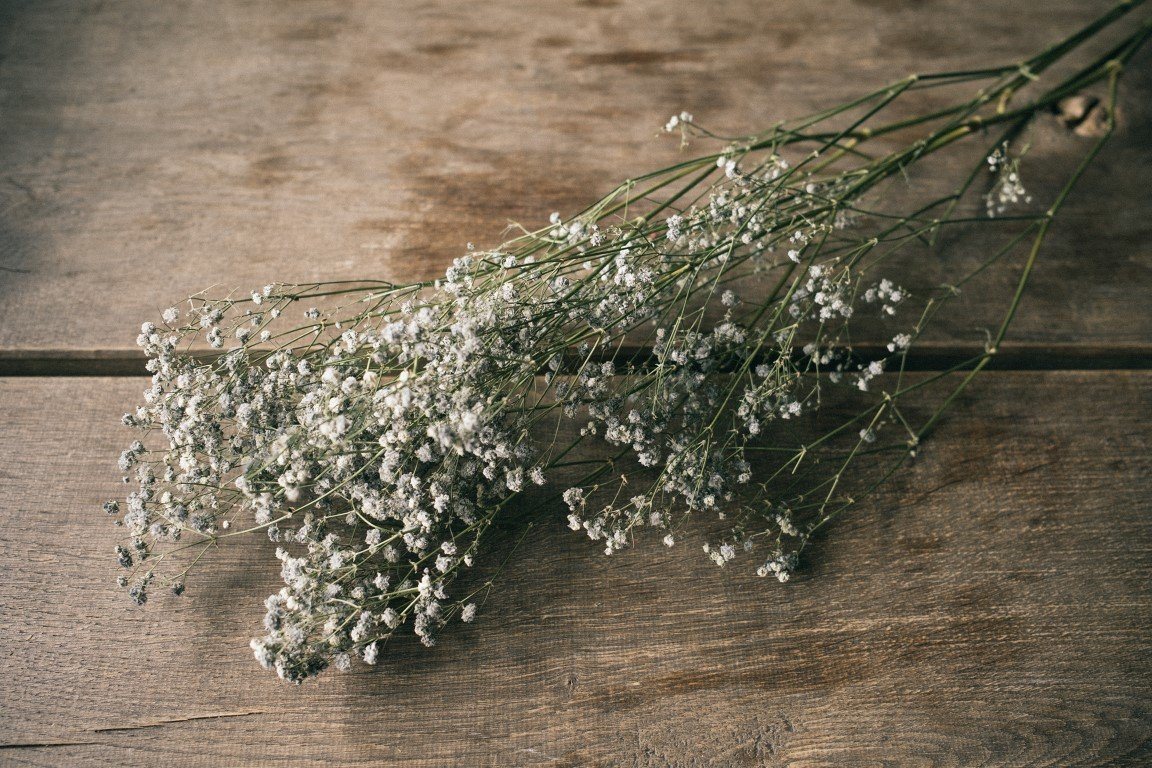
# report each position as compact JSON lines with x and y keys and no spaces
{"x":150,"y":149}
{"x":990,"y":606}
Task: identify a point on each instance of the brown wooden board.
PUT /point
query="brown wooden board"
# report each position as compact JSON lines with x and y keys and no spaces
{"x":989,"y":606}
{"x":150,"y":150}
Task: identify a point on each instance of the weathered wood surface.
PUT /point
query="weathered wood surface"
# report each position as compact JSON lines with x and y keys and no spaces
{"x":991,"y":606}
{"x":150,"y":149}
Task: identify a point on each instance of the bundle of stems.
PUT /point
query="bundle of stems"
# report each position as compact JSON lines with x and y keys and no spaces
{"x":661,"y":353}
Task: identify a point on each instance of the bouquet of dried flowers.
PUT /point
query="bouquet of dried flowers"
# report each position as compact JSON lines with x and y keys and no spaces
{"x":644,"y":359}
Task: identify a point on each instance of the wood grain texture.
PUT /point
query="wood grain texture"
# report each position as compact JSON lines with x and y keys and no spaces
{"x":990,"y":607}
{"x":148,"y":150}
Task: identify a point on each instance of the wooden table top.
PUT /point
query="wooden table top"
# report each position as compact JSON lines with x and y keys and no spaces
{"x":989,"y":606}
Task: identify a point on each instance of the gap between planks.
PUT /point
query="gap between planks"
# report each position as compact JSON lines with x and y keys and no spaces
{"x":1020,"y":357}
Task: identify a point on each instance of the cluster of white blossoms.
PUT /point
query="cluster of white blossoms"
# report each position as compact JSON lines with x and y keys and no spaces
{"x":662,"y":354}
{"x":1007,"y":192}
{"x":376,"y":441}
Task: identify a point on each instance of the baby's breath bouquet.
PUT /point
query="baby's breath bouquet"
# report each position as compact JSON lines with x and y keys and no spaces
{"x":657,"y":355}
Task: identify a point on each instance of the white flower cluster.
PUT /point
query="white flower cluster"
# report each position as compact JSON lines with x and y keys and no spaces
{"x":395,"y":476}
{"x":1007,"y":190}
{"x":376,"y":441}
